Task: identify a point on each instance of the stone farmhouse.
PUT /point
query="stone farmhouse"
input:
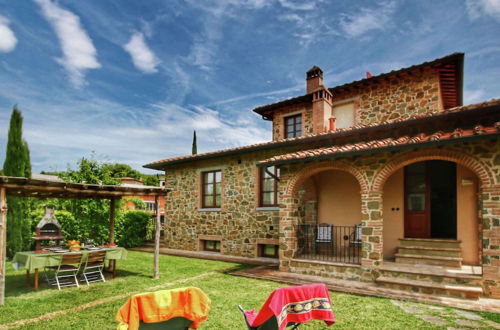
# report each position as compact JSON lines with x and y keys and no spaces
{"x":388,"y":180}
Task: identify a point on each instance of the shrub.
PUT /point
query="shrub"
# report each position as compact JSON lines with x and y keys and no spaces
{"x":132,"y":228}
{"x":71,"y":228}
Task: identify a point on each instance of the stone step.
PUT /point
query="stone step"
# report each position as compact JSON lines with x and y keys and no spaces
{"x":430,"y":251}
{"x":430,"y":273}
{"x":430,"y":242}
{"x":429,"y":260}
{"x":442,"y":289}
{"x":371,"y":289}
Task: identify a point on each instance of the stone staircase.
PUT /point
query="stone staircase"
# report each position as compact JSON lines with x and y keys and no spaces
{"x":423,"y":251}
{"x":433,"y":280}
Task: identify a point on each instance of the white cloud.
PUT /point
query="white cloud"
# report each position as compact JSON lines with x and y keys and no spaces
{"x":257,"y":3}
{"x":204,"y":49}
{"x":62,"y":125}
{"x":298,"y":4}
{"x":484,"y":51}
{"x":290,"y":90}
{"x":77,"y":47}
{"x":8,"y":39}
{"x":307,"y":27}
{"x":203,"y":53}
{"x":478,"y":8}
{"x":176,"y":122}
{"x":473,"y":96}
{"x":367,"y":19}
{"x":144,"y":59}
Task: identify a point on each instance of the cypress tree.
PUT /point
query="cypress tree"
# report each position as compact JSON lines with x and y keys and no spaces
{"x":27,"y":203}
{"x":194,"y":150}
{"x":17,"y":163}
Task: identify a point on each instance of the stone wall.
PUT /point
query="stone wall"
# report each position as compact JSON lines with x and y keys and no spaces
{"x":394,"y":98}
{"x":480,"y":156}
{"x":239,"y":224}
{"x":330,"y":270}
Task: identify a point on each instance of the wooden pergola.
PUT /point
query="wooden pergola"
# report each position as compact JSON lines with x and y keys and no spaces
{"x":25,"y":187}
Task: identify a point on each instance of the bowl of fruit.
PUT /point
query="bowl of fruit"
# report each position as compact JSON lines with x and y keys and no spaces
{"x":74,"y":245}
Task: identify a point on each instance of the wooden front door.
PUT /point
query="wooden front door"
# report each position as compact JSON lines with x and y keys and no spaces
{"x":417,"y":201}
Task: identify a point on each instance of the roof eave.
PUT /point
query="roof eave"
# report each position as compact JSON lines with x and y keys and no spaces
{"x":314,"y":138}
{"x":265,"y":109}
{"x":374,"y":151}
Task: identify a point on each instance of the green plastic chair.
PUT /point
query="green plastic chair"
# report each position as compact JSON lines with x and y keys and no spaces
{"x":176,"y":323}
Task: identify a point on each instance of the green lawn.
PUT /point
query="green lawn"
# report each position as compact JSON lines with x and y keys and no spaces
{"x":225,"y":291}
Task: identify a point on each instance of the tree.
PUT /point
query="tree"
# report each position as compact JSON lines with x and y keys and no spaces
{"x":194,"y":150}
{"x":17,"y":163}
{"x":119,"y":171}
{"x":92,"y":215}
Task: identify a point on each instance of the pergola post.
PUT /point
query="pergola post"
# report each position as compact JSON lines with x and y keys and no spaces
{"x":156,"y":273}
{"x":3,"y":242}
{"x":112,"y":219}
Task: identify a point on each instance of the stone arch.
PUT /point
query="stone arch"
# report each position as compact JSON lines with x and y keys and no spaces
{"x":310,"y":170}
{"x":477,"y":166}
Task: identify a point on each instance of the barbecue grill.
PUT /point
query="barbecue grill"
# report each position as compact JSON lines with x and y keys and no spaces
{"x":48,"y":229}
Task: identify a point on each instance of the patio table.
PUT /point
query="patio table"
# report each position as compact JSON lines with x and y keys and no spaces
{"x":32,"y":261}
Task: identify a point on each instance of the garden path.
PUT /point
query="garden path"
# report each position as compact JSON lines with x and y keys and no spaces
{"x":443,"y":316}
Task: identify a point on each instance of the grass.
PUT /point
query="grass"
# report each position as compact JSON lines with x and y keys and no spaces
{"x":490,"y":316}
{"x":225,"y":291}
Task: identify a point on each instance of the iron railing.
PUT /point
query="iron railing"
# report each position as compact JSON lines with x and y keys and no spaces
{"x":329,"y":243}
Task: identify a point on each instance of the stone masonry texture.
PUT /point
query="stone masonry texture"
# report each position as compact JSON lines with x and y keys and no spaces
{"x":398,"y":98}
{"x":241,"y":225}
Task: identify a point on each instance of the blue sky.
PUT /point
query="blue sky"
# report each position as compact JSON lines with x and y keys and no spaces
{"x":131,"y":80}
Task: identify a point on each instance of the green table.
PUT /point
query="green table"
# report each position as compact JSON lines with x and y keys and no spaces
{"x":33,"y":261}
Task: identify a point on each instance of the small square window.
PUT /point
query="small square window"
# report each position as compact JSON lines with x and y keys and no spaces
{"x":293,"y":126}
{"x":268,"y":250}
{"x":210,"y":245}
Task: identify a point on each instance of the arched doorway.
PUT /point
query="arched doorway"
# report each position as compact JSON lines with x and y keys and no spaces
{"x":329,"y":217}
{"x":432,"y":199}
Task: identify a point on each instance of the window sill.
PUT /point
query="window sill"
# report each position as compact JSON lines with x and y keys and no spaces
{"x":268,"y":208}
{"x":213,"y":209}
{"x":210,"y":252}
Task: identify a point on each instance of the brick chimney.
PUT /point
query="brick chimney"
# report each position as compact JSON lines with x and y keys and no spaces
{"x":322,"y":100}
{"x":314,"y":79}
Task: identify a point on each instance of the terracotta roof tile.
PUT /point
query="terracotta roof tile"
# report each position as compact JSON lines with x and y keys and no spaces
{"x":388,"y":142}
{"x":310,"y":137}
{"x":308,"y":98}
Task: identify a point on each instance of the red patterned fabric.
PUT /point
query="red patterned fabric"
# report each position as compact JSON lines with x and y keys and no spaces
{"x":298,"y":304}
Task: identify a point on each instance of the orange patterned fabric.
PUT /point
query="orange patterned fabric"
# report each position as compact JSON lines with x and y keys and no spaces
{"x":159,"y":306}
